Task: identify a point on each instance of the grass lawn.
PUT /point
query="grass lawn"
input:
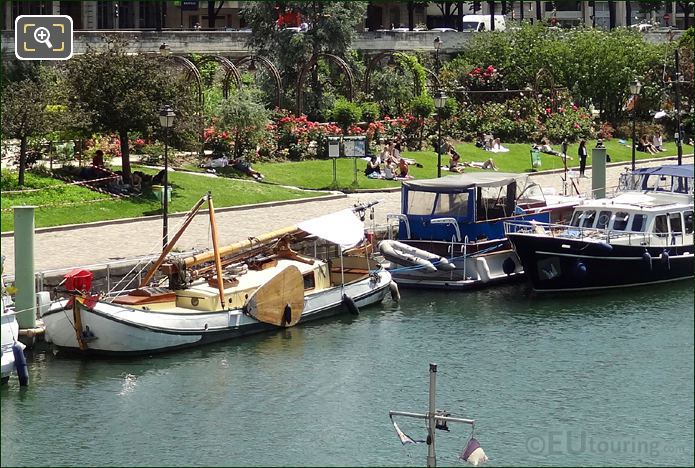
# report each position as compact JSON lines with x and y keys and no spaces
{"x":318,"y":174}
{"x":186,"y":190}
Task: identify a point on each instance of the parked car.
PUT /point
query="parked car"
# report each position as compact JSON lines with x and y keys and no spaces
{"x":443,"y":29}
{"x":482,"y":23}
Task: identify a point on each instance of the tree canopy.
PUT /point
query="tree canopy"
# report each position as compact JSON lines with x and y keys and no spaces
{"x":330,"y":28}
{"x":124,"y":92}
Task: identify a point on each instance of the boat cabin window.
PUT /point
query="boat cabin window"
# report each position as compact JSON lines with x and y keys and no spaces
{"x":676,"y":224}
{"x":420,"y":203}
{"x":588,"y":218}
{"x":577,"y":218}
{"x":451,"y":204}
{"x":309,"y":281}
{"x":620,"y":221}
{"x":603,"y":218}
{"x":661,"y":226}
{"x":638,"y":223}
{"x":688,"y":218}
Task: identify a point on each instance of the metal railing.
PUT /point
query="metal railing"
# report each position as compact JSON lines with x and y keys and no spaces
{"x":629,"y":238}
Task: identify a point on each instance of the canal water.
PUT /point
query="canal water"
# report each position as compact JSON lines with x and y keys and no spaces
{"x":575,"y":380}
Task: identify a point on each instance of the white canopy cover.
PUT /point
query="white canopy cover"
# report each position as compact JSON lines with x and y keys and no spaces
{"x":343,"y":228}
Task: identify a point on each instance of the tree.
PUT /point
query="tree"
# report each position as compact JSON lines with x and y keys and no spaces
{"x":244,"y":115}
{"x":331,"y":29}
{"x":33,"y":104}
{"x":124,"y":92}
{"x":24,"y":115}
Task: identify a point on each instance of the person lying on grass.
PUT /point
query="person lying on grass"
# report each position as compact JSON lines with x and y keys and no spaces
{"x":455,"y":164}
{"x":239,"y":164}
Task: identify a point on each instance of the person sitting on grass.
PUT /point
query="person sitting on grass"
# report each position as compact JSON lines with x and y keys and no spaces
{"x":645,"y":146}
{"x":658,"y":141}
{"x":373,"y":169}
{"x":497,"y":147}
{"x":455,"y":163}
{"x":402,"y":168}
{"x":389,"y":171}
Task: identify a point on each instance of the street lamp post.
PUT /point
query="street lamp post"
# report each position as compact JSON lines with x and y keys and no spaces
{"x":635,"y":88}
{"x":439,"y":103}
{"x":166,"y":120}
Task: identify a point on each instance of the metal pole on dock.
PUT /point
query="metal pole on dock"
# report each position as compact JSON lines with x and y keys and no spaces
{"x":24,"y":266}
{"x":431,"y":454}
{"x":679,"y":129}
{"x":435,"y":419}
{"x":598,"y":172}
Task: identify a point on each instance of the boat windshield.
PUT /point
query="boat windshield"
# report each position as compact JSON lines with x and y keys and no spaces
{"x":532,"y":195}
{"x":656,"y":183}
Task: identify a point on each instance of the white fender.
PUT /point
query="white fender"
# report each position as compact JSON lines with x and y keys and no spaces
{"x":483,"y":269}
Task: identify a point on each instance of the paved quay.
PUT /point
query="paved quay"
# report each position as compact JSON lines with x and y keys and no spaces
{"x":102,"y":243}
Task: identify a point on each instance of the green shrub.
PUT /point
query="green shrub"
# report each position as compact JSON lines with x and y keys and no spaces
{"x":346,"y":113}
{"x":422,"y":106}
{"x":153,"y":153}
{"x":641,"y":128}
{"x":370,"y":111}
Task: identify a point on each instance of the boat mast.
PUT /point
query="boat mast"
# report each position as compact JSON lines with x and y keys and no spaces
{"x":189,"y":217}
{"x":216,"y":250}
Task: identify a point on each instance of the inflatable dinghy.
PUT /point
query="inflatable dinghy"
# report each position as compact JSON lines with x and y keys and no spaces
{"x":403,"y":254}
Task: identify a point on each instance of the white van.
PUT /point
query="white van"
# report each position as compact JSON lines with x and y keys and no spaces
{"x":482,"y":23}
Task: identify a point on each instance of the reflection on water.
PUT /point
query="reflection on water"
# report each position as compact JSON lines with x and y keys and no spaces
{"x":614,"y":367}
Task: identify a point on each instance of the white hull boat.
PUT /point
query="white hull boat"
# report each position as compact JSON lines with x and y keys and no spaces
{"x":10,"y":333}
{"x":10,"y":344}
{"x":110,"y":328}
{"x":264,"y":285}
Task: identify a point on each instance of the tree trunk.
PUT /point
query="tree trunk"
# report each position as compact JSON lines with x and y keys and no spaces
{"x":459,"y":16}
{"x":538,"y":11}
{"x":22,"y":159}
{"x":611,"y":15}
{"x":211,"y":14}
{"x":492,"y":15}
{"x":125,"y":156}
{"x":628,"y":14}
{"x":411,"y":16}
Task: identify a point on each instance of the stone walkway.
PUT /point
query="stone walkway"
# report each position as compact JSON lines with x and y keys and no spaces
{"x":101,"y":244}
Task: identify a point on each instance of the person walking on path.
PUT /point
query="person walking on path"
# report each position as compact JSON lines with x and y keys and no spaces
{"x":581,"y":152}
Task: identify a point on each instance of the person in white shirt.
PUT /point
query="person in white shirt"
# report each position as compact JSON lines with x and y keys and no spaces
{"x":497,"y":147}
{"x":658,"y":141}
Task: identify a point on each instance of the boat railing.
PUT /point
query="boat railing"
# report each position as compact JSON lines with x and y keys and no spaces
{"x":399,"y":217}
{"x":449,"y":221}
{"x":629,"y":238}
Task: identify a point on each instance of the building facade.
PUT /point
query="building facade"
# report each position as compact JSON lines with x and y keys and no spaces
{"x":192,"y":14}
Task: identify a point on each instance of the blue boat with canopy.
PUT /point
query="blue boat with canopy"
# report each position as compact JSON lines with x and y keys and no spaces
{"x":451,"y":229}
